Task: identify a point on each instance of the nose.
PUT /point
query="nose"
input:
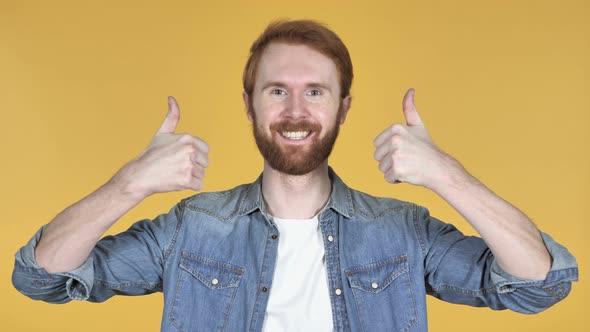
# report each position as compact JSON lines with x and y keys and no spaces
{"x":295,"y":107}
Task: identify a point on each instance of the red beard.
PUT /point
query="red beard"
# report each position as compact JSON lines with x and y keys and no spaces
{"x":295,"y":159}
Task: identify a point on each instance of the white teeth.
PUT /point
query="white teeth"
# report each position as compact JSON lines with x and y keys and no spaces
{"x":295,"y":134}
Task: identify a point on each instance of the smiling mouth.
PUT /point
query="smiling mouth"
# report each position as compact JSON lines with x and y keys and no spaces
{"x":295,"y":135}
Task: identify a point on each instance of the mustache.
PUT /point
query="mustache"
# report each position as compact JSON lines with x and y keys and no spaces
{"x":303,"y":125}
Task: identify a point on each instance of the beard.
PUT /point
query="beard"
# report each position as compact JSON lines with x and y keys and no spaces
{"x":295,"y":159}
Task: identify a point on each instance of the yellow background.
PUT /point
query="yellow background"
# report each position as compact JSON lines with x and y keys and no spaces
{"x":501,"y":85}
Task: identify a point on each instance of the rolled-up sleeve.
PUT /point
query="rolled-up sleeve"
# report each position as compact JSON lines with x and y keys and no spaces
{"x":35,"y":282}
{"x":532,"y":296}
{"x":462,"y":269}
{"x":128,"y":263}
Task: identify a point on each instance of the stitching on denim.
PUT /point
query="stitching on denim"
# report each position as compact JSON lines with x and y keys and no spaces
{"x":211,"y":213}
{"x":559,"y":276}
{"x":470,"y":292}
{"x":232,"y":299}
{"x":176,"y":323}
{"x":78,"y":279}
{"x":211,"y":262}
{"x":122,"y":285}
{"x":416,"y":229}
{"x":359,"y":302}
{"x":415,"y":320}
{"x":243,"y":207}
{"x":179,"y":218}
{"x":333,"y":273}
{"x":259,"y":282}
{"x":390,"y":278}
{"x":341,"y":303}
{"x":373,"y":265}
{"x":350,"y":203}
{"x":371,"y":216}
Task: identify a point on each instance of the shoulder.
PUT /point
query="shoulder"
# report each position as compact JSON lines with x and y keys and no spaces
{"x":223,"y":205}
{"x":374,"y":207}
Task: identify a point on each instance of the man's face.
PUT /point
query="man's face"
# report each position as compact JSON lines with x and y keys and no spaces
{"x":295,"y":107}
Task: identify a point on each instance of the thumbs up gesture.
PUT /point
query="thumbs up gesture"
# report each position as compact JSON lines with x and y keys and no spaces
{"x":406,"y":153}
{"x":170,"y":162}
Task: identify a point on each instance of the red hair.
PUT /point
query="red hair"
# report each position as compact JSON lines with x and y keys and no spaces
{"x":301,"y":32}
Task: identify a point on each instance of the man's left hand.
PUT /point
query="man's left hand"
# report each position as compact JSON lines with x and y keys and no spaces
{"x":406,"y":153}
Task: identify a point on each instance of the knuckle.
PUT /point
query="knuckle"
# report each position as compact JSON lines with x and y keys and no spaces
{"x":398,"y":128}
{"x":188,"y":166}
{"x":187,"y":179}
{"x":205,"y":146}
{"x":185,"y":138}
{"x":388,"y":177}
{"x":199,"y":172}
{"x":198,"y":185}
{"x":396,"y":139}
{"x":375,"y":144}
{"x":189,"y":149}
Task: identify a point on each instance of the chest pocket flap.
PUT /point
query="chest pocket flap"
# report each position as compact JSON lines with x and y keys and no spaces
{"x":376,"y":277}
{"x":212,"y":273}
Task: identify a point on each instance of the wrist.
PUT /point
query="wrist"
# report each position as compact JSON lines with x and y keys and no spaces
{"x":452,"y":177}
{"x":123,"y":185}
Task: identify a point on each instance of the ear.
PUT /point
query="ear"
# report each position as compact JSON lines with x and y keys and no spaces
{"x":346,"y":103}
{"x":247,"y":105}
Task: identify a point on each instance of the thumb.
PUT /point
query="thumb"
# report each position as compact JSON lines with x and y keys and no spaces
{"x":410,"y":112}
{"x":171,"y":121}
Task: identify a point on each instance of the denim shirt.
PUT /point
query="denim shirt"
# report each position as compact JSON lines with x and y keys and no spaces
{"x":213,"y":256}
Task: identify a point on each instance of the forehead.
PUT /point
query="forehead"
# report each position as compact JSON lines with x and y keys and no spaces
{"x":295,"y":65}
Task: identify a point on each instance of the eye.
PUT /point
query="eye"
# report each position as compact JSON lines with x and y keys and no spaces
{"x":278,"y":92}
{"x":315,"y":92}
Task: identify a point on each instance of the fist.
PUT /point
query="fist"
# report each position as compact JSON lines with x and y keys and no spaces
{"x":171,"y":162}
{"x":406,"y":153}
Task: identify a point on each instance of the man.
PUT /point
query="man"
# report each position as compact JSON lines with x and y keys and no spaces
{"x":297,"y":249}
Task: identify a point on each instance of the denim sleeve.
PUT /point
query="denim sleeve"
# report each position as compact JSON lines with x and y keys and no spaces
{"x":128,"y":263}
{"x":462,"y":269}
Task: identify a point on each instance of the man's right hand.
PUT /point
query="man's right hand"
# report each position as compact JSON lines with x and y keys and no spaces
{"x":171,"y":162}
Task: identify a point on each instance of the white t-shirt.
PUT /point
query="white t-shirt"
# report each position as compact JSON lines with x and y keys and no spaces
{"x":299,"y":298}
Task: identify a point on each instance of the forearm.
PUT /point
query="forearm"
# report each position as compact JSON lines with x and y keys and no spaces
{"x":69,"y":238}
{"x":512,"y":237}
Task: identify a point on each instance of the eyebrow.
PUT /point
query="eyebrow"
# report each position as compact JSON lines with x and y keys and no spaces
{"x":283,"y":85}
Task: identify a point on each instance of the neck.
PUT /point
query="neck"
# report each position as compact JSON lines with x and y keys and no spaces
{"x":296,"y":196}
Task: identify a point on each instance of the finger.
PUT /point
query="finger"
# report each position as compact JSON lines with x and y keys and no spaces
{"x":382,"y":150}
{"x":201,"y":145}
{"x":196,"y":184}
{"x":384,"y":136}
{"x":410,"y":111}
{"x":200,"y":159}
{"x":172,"y":117}
{"x":198,"y":172}
{"x":386,"y":164}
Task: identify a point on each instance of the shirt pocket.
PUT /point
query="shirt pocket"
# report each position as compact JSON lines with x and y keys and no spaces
{"x":383,"y":294}
{"x":204,"y":293}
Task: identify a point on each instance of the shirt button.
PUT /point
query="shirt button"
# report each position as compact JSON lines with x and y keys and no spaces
{"x":330,"y":238}
{"x":264,"y":289}
{"x":274,"y":236}
{"x":375,"y":285}
{"x":215,"y":281}
{"x":338,"y":291}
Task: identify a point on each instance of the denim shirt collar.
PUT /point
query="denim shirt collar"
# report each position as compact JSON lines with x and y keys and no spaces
{"x":340,"y":198}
